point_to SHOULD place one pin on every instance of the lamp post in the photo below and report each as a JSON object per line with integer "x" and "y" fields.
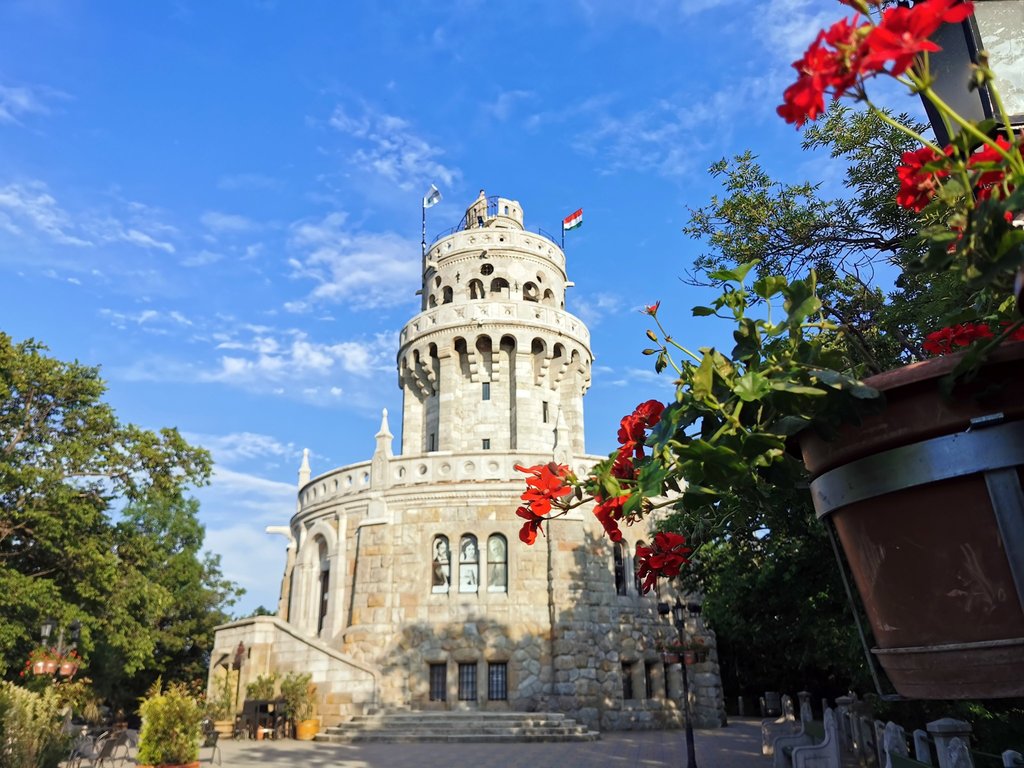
{"x": 678, "y": 614}
{"x": 996, "y": 27}
{"x": 63, "y": 664}
{"x": 49, "y": 624}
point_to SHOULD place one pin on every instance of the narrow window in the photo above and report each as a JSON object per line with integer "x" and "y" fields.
{"x": 487, "y": 444}
{"x": 469, "y": 564}
{"x": 664, "y": 672}
{"x": 497, "y": 681}
{"x": 620, "y": 568}
{"x": 544, "y": 411}
{"x": 649, "y": 679}
{"x": 441, "y": 571}
{"x": 627, "y": 680}
{"x": 486, "y": 390}
{"x": 637, "y": 581}
{"x": 497, "y": 563}
{"x": 325, "y": 584}
{"x": 433, "y": 442}
{"x": 467, "y": 682}
{"x": 439, "y": 682}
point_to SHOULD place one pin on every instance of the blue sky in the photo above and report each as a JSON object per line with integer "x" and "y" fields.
{"x": 219, "y": 203}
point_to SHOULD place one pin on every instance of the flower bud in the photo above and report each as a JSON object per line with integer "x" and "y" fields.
{"x": 652, "y": 335}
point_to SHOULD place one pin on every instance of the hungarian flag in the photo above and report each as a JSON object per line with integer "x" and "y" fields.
{"x": 572, "y": 221}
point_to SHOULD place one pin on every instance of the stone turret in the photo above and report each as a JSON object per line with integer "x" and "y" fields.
{"x": 493, "y": 357}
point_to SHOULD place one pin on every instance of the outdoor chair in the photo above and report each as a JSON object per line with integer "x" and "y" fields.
{"x": 210, "y": 741}
{"x": 98, "y": 752}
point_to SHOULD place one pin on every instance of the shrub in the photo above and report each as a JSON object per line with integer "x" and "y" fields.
{"x": 30, "y": 728}
{"x": 171, "y": 726}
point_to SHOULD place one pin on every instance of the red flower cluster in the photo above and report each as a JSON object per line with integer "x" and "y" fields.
{"x": 949, "y": 339}
{"x": 918, "y": 183}
{"x": 545, "y": 485}
{"x": 852, "y": 49}
{"x": 652, "y": 309}
{"x": 991, "y": 181}
{"x": 632, "y": 434}
{"x": 633, "y": 428}
{"x": 665, "y": 557}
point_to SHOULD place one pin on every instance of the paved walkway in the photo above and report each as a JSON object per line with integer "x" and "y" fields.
{"x": 736, "y": 746}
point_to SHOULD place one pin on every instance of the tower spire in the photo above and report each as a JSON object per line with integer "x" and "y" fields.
{"x": 304, "y": 468}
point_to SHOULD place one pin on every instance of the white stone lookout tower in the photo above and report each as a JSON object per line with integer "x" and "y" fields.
{"x": 406, "y": 585}
{"x": 493, "y": 362}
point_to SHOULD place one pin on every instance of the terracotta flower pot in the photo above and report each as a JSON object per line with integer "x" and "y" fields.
{"x": 926, "y": 499}
{"x": 39, "y": 668}
{"x": 49, "y": 667}
{"x": 68, "y": 668}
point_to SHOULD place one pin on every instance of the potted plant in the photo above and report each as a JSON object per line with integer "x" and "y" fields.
{"x": 918, "y": 468}
{"x": 172, "y": 727}
{"x": 221, "y": 705}
{"x": 299, "y": 695}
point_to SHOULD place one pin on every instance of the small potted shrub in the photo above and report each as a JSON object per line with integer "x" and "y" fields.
{"x": 171, "y": 727}
{"x": 299, "y": 696}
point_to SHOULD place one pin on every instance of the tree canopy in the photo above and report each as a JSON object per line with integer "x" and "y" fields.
{"x": 95, "y": 526}
{"x": 774, "y": 593}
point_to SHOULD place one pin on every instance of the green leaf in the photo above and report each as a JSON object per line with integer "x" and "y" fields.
{"x": 703, "y": 378}
{"x": 734, "y": 275}
{"x": 797, "y": 389}
{"x": 702, "y": 311}
{"x": 769, "y": 286}
{"x": 752, "y": 386}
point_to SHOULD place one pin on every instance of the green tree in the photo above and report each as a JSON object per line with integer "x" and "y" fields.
{"x": 774, "y": 593}
{"x": 95, "y": 526}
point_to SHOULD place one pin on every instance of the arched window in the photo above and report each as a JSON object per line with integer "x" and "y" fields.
{"x": 469, "y": 564}
{"x": 441, "y": 570}
{"x": 325, "y": 583}
{"x": 620, "y": 568}
{"x": 446, "y": 294}
{"x": 499, "y": 285}
{"x": 432, "y": 301}
{"x": 476, "y": 289}
{"x": 531, "y": 292}
{"x": 497, "y": 563}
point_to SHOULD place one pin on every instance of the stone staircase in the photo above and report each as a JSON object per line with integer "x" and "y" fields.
{"x": 458, "y": 726}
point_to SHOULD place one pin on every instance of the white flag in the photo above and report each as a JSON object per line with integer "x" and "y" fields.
{"x": 432, "y": 198}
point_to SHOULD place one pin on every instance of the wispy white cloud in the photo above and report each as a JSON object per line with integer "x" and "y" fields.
{"x": 149, "y": 319}
{"x": 502, "y": 107}
{"x": 243, "y": 446}
{"x": 227, "y": 223}
{"x": 16, "y": 101}
{"x": 264, "y": 359}
{"x": 30, "y": 205}
{"x": 392, "y": 149}
{"x": 363, "y": 270}
{"x": 592, "y": 309}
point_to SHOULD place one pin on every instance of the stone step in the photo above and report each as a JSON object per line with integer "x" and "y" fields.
{"x": 435, "y": 726}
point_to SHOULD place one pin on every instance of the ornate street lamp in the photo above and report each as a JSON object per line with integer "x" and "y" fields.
{"x": 678, "y": 617}
{"x": 997, "y": 27}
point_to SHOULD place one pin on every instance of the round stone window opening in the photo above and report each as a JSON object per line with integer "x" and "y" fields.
{"x": 487, "y": 269}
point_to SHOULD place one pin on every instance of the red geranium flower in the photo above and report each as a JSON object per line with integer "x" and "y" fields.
{"x": 666, "y": 557}
{"x": 903, "y": 32}
{"x": 918, "y": 185}
{"x": 946, "y": 340}
{"x": 608, "y": 512}
{"x": 632, "y": 428}
{"x": 990, "y": 182}
{"x": 528, "y": 533}
{"x": 652, "y": 309}
{"x": 823, "y": 70}
{"x": 546, "y": 484}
